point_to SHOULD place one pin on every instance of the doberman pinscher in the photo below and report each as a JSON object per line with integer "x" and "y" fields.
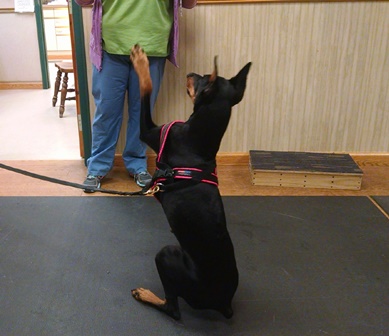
{"x": 202, "y": 269}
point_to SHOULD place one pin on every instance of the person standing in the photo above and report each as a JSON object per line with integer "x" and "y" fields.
{"x": 116, "y": 26}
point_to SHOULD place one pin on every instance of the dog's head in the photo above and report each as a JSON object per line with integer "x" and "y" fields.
{"x": 207, "y": 88}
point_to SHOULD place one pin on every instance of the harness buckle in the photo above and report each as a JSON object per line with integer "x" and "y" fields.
{"x": 153, "y": 190}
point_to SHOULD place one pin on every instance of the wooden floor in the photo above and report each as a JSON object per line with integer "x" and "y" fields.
{"x": 233, "y": 172}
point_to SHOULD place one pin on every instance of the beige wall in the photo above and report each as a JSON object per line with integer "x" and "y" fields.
{"x": 319, "y": 81}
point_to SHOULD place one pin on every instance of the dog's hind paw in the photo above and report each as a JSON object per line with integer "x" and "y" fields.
{"x": 227, "y": 312}
{"x": 147, "y": 296}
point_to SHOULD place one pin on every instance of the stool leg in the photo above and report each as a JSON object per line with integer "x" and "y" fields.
{"x": 56, "y": 86}
{"x": 64, "y": 91}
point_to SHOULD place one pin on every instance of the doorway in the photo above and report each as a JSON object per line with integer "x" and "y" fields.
{"x": 57, "y": 30}
{"x": 30, "y": 127}
{"x": 61, "y": 45}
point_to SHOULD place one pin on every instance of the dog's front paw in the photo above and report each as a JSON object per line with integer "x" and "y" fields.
{"x": 139, "y": 59}
{"x": 141, "y": 65}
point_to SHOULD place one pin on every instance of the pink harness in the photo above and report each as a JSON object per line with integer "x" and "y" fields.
{"x": 167, "y": 177}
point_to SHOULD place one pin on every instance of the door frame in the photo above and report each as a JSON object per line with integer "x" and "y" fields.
{"x": 81, "y": 78}
{"x": 40, "y": 26}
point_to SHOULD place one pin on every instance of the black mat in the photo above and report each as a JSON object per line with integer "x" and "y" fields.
{"x": 383, "y": 201}
{"x": 308, "y": 266}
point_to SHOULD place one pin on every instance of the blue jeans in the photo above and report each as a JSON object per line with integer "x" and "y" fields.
{"x": 109, "y": 87}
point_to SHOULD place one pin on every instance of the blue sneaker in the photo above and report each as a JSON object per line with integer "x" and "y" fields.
{"x": 92, "y": 182}
{"x": 142, "y": 179}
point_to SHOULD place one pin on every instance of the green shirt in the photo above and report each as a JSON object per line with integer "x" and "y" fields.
{"x": 146, "y": 22}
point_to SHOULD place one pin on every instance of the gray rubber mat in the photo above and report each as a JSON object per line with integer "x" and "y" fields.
{"x": 308, "y": 266}
{"x": 383, "y": 201}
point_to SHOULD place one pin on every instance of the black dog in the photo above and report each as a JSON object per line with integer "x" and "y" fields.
{"x": 202, "y": 270}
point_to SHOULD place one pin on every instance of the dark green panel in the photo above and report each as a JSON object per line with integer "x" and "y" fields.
{"x": 42, "y": 44}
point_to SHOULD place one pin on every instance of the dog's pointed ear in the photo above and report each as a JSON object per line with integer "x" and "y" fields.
{"x": 239, "y": 83}
{"x": 214, "y": 73}
{"x": 212, "y": 78}
{"x": 210, "y": 86}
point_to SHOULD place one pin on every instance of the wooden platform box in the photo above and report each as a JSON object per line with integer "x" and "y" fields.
{"x": 305, "y": 170}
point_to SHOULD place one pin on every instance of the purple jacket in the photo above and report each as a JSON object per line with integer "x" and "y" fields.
{"x": 96, "y": 47}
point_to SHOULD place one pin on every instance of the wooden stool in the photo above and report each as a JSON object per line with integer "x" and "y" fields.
{"x": 66, "y": 68}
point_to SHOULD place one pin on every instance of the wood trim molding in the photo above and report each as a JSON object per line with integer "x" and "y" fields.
{"x": 7, "y": 10}
{"x": 242, "y": 159}
{"x": 20, "y": 85}
{"x": 223, "y": 159}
